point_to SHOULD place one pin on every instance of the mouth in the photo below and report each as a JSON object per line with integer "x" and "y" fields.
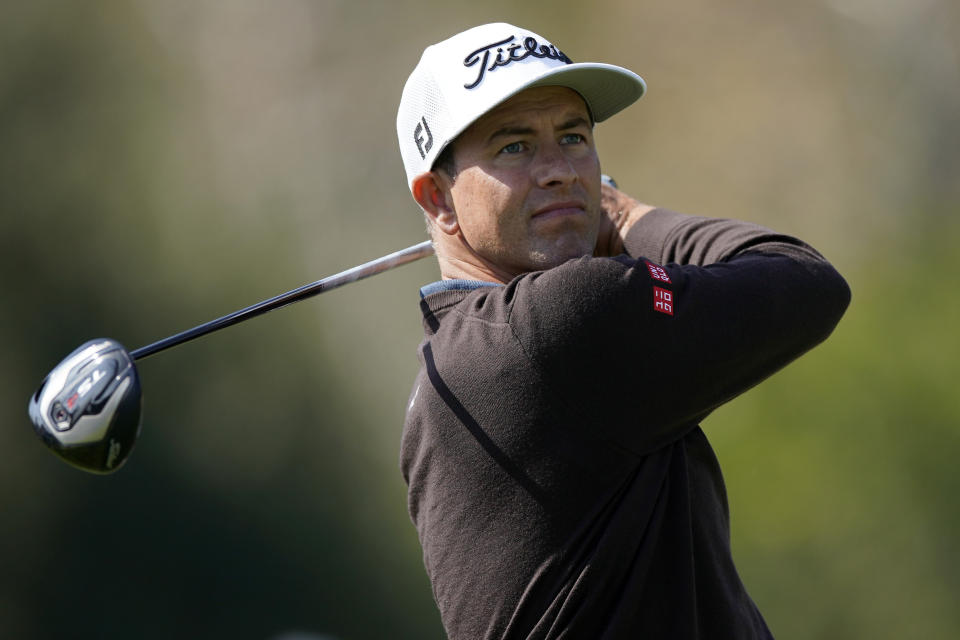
{"x": 560, "y": 209}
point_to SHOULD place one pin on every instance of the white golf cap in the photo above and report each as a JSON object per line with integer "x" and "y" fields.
{"x": 460, "y": 79}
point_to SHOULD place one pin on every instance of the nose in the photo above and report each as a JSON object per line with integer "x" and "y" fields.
{"x": 553, "y": 168}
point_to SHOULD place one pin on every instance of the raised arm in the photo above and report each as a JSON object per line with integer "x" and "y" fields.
{"x": 698, "y": 311}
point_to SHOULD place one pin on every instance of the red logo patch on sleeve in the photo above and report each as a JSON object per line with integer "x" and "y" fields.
{"x": 657, "y": 272}
{"x": 663, "y": 301}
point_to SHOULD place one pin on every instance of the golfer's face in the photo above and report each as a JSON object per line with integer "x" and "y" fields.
{"x": 527, "y": 191}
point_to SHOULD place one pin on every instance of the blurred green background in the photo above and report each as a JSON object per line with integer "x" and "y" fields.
{"x": 163, "y": 163}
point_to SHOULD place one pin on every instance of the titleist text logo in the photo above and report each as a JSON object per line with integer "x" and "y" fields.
{"x": 505, "y": 55}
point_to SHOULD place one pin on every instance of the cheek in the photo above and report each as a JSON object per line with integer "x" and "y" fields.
{"x": 589, "y": 169}
{"x": 483, "y": 203}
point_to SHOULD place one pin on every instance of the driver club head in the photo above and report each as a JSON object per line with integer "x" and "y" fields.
{"x": 87, "y": 410}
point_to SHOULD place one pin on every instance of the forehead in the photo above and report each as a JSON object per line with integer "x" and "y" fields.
{"x": 550, "y": 102}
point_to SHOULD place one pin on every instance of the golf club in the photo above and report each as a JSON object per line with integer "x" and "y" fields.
{"x": 87, "y": 409}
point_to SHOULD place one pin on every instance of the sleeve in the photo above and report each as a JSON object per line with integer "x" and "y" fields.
{"x": 668, "y": 237}
{"x": 645, "y": 347}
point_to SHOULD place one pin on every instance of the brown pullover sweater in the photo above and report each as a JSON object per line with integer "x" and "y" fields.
{"x": 558, "y": 478}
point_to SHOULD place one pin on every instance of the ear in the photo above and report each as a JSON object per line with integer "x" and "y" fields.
{"x": 431, "y": 190}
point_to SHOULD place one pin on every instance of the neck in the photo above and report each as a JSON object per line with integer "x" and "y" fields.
{"x": 455, "y": 268}
{"x": 457, "y": 260}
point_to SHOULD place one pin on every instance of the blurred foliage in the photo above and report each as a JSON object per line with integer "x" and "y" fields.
{"x": 164, "y": 163}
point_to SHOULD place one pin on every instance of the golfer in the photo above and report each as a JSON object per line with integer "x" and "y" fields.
{"x": 559, "y": 480}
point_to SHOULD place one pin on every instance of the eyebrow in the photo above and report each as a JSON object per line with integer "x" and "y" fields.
{"x": 508, "y": 131}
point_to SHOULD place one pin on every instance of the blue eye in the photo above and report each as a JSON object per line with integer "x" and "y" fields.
{"x": 572, "y": 138}
{"x": 513, "y": 147}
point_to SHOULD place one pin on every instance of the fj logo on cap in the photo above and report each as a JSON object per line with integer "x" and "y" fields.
{"x": 423, "y": 144}
{"x": 530, "y": 47}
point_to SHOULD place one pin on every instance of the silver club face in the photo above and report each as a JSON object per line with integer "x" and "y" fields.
{"x": 87, "y": 410}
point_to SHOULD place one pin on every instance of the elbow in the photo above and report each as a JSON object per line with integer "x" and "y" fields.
{"x": 841, "y": 294}
{"x": 834, "y": 299}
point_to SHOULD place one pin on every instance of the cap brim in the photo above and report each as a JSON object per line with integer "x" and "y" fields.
{"x": 606, "y": 88}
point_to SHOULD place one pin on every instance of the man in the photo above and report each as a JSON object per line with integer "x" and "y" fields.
{"x": 558, "y": 479}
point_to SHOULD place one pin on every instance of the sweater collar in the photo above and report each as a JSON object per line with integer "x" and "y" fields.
{"x": 439, "y": 297}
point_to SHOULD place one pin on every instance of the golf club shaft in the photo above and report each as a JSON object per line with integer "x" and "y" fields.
{"x": 360, "y": 272}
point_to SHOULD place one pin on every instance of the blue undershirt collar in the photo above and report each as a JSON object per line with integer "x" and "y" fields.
{"x": 454, "y": 284}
